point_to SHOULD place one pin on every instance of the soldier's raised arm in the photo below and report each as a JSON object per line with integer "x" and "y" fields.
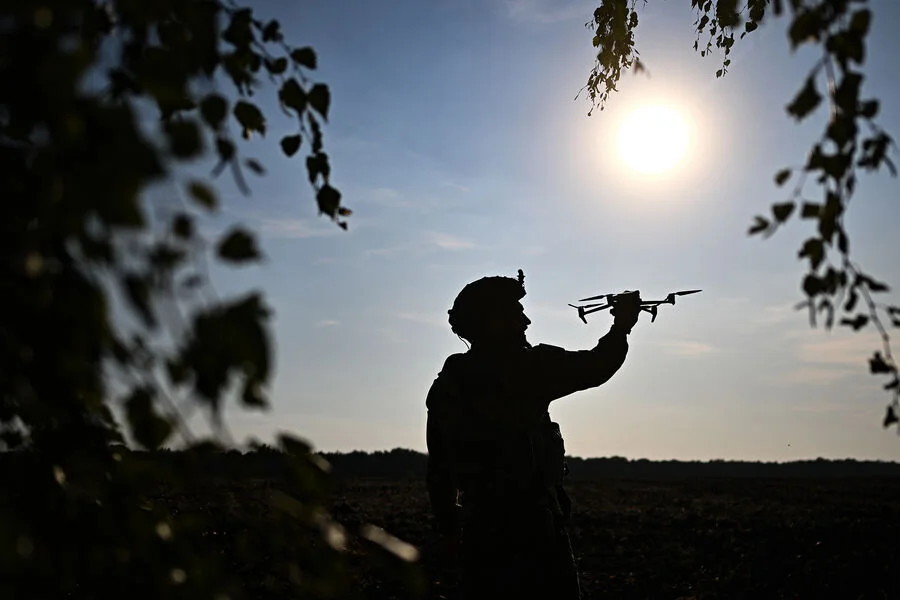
{"x": 557, "y": 372}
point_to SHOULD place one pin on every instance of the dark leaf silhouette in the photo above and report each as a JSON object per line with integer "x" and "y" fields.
{"x": 238, "y": 246}
{"x": 857, "y": 323}
{"x": 782, "y": 176}
{"x": 329, "y": 200}
{"x": 250, "y": 117}
{"x": 877, "y": 364}
{"x": 305, "y": 57}
{"x": 214, "y": 109}
{"x": 806, "y": 101}
{"x": 782, "y": 211}
{"x": 319, "y": 98}
{"x": 203, "y": 194}
{"x": 290, "y": 144}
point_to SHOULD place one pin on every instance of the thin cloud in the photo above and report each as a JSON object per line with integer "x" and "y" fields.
{"x": 294, "y": 228}
{"x": 852, "y": 350}
{"x": 327, "y": 323}
{"x": 457, "y": 186}
{"x": 775, "y": 315}
{"x": 390, "y": 250}
{"x": 687, "y": 348}
{"x": 429, "y": 241}
{"x": 324, "y": 260}
{"x": 389, "y": 198}
{"x": 446, "y": 241}
{"x": 423, "y": 319}
{"x": 826, "y": 408}
{"x": 812, "y": 375}
{"x": 546, "y": 11}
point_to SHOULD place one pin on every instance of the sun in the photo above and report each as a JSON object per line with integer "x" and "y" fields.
{"x": 653, "y": 139}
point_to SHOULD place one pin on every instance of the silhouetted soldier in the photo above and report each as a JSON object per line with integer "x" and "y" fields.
{"x": 495, "y": 459}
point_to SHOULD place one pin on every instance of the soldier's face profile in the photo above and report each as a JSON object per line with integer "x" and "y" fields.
{"x": 508, "y": 324}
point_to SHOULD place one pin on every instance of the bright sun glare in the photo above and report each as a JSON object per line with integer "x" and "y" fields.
{"x": 652, "y": 139}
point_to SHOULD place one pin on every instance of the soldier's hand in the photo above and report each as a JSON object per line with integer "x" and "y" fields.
{"x": 626, "y": 310}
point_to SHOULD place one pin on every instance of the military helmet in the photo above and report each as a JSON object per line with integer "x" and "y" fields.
{"x": 481, "y": 298}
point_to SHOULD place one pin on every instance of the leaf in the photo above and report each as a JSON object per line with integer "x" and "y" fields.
{"x": 877, "y": 286}
{"x": 255, "y": 166}
{"x": 272, "y": 31}
{"x": 874, "y": 286}
{"x": 813, "y": 285}
{"x": 843, "y": 241}
{"x": 329, "y": 200}
{"x": 759, "y": 224}
{"x": 316, "y": 165}
{"x": 277, "y": 66}
{"x": 860, "y": 21}
{"x": 394, "y": 546}
{"x": 813, "y": 249}
{"x": 293, "y": 96}
{"x": 893, "y": 384}
{"x": 851, "y": 300}
{"x": 782, "y": 211}
{"x": 807, "y": 26}
{"x": 877, "y": 364}
{"x": 846, "y": 96}
{"x": 320, "y": 99}
{"x": 891, "y": 417}
{"x": 842, "y": 129}
{"x": 858, "y": 323}
{"x": 252, "y": 395}
{"x": 184, "y": 138}
{"x": 810, "y": 210}
{"x": 202, "y": 194}
{"x": 868, "y": 109}
{"x": 183, "y": 226}
{"x": 305, "y": 57}
{"x": 290, "y": 144}
{"x": 226, "y": 338}
{"x": 806, "y": 100}
{"x": 137, "y": 290}
{"x": 177, "y": 370}
{"x": 238, "y": 246}
{"x": 782, "y": 176}
{"x": 213, "y": 109}
{"x": 148, "y": 428}
{"x": 191, "y": 282}
{"x": 250, "y": 117}
{"x": 293, "y": 445}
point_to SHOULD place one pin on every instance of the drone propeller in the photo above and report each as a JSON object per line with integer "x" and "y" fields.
{"x": 600, "y": 297}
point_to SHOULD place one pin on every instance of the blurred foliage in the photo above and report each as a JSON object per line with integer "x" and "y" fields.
{"x": 111, "y": 330}
{"x": 852, "y": 143}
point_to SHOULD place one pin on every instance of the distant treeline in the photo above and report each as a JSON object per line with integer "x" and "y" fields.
{"x": 408, "y": 464}
{"x": 266, "y": 462}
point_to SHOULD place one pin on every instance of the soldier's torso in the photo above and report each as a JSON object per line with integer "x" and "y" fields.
{"x": 507, "y": 447}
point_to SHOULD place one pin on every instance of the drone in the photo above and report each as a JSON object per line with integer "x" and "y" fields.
{"x": 611, "y": 300}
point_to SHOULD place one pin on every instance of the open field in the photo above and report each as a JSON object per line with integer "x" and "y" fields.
{"x": 688, "y": 538}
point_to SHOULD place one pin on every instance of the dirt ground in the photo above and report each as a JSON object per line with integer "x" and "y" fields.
{"x": 667, "y": 540}
{"x": 699, "y": 539}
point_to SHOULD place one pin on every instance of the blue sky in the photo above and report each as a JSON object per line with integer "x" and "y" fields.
{"x": 455, "y": 139}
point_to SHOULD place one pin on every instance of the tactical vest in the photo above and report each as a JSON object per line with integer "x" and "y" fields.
{"x": 503, "y": 448}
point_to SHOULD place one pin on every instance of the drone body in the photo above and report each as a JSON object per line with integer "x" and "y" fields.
{"x": 611, "y": 300}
